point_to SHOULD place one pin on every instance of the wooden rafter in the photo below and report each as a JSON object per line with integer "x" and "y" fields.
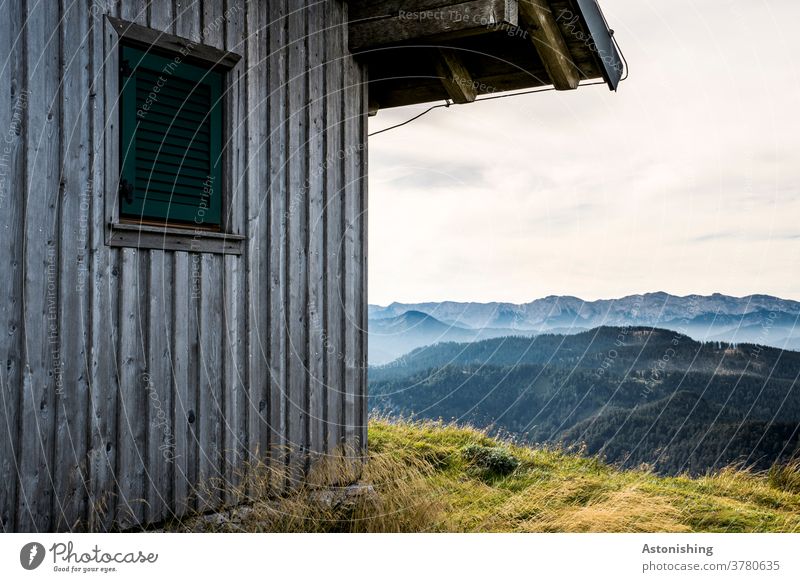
{"x": 537, "y": 17}
{"x": 455, "y": 77}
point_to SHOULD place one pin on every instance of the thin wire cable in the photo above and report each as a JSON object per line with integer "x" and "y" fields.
{"x": 622, "y": 56}
{"x": 429, "y": 109}
{"x": 407, "y": 121}
{"x": 517, "y": 94}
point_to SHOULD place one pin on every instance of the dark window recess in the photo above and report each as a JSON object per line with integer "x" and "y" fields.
{"x": 171, "y": 150}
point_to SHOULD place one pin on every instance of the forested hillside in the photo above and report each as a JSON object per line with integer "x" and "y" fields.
{"x": 633, "y": 395}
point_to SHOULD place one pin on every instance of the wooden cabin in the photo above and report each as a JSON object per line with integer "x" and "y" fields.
{"x": 183, "y": 195}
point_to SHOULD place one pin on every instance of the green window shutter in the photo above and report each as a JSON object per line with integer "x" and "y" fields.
{"x": 171, "y": 140}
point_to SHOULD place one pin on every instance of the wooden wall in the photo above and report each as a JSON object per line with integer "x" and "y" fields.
{"x": 130, "y": 375}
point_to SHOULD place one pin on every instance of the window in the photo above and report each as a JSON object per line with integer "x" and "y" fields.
{"x": 171, "y": 139}
{"x": 174, "y": 103}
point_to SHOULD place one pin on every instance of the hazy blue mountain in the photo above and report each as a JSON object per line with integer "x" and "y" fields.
{"x": 759, "y": 319}
{"x": 391, "y": 337}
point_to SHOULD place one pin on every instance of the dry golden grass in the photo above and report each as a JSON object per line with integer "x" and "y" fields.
{"x": 629, "y": 510}
{"x": 419, "y": 477}
{"x": 341, "y": 493}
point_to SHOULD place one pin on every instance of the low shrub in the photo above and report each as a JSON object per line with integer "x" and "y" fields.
{"x": 496, "y": 461}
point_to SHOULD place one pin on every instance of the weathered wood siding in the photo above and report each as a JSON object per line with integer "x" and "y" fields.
{"x": 132, "y": 377}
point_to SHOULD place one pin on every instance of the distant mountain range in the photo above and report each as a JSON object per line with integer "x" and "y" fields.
{"x": 391, "y": 337}
{"x": 763, "y": 319}
{"x": 633, "y": 395}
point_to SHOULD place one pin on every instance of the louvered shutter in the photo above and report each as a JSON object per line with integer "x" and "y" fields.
{"x": 171, "y": 150}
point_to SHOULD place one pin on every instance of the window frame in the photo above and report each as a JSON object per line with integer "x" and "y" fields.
{"x": 122, "y": 231}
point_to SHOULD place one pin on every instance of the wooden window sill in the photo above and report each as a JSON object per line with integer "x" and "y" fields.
{"x": 171, "y": 238}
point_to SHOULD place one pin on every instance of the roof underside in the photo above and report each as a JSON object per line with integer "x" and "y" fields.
{"x": 430, "y": 50}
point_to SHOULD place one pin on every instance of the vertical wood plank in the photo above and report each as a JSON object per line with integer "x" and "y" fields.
{"x": 132, "y": 422}
{"x": 188, "y": 19}
{"x": 40, "y": 296}
{"x": 234, "y": 366}
{"x": 277, "y": 193}
{"x": 188, "y": 23}
{"x": 234, "y": 403}
{"x": 72, "y": 424}
{"x": 182, "y": 391}
{"x": 297, "y": 217}
{"x": 134, "y": 11}
{"x": 104, "y": 348}
{"x": 161, "y": 17}
{"x": 194, "y": 374}
{"x": 258, "y": 223}
{"x": 162, "y": 429}
{"x": 213, "y": 26}
{"x": 334, "y": 258}
{"x": 13, "y": 111}
{"x": 210, "y": 414}
{"x": 213, "y": 394}
{"x": 132, "y": 419}
{"x": 352, "y": 271}
{"x": 238, "y": 113}
{"x": 316, "y": 225}
{"x": 158, "y": 387}
{"x": 363, "y": 351}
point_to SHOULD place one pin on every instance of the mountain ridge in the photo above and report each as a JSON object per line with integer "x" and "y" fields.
{"x": 757, "y": 318}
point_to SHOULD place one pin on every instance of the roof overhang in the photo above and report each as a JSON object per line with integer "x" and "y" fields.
{"x": 418, "y": 51}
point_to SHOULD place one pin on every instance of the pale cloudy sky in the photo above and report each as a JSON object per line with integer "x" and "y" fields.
{"x": 687, "y": 180}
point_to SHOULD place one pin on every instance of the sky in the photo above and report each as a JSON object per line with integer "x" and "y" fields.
{"x": 687, "y": 180}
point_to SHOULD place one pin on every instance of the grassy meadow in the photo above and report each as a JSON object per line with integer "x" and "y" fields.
{"x": 435, "y": 477}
